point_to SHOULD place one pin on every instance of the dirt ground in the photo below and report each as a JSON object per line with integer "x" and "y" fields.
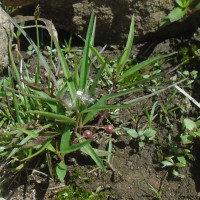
{"x": 134, "y": 174}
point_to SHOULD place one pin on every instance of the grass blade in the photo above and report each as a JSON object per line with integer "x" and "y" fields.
{"x": 101, "y": 59}
{"x": 66, "y": 71}
{"x": 105, "y": 107}
{"x": 28, "y": 132}
{"x": 139, "y": 66}
{"x": 58, "y": 117}
{"x": 44, "y": 146}
{"x": 49, "y": 99}
{"x": 110, "y": 146}
{"x": 42, "y": 59}
{"x": 74, "y": 147}
{"x": 86, "y": 54}
{"x": 101, "y": 102}
{"x": 16, "y": 103}
{"x": 124, "y": 58}
{"x": 96, "y": 80}
{"x": 87, "y": 149}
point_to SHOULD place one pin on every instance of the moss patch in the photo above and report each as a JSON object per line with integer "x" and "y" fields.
{"x": 77, "y": 193}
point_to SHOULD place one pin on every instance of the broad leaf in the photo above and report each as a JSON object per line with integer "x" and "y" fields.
{"x": 190, "y": 125}
{"x": 61, "y": 170}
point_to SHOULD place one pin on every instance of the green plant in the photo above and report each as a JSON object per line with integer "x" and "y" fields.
{"x": 48, "y": 114}
{"x": 40, "y": 115}
{"x": 184, "y": 7}
{"x": 175, "y": 163}
{"x": 167, "y": 111}
{"x": 77, "y": 193}
{"x": 151, "y": 116}
{"x": 142, "y": 136}
{"x": 157, "y": 193}
{"x": 192, "y": 131}
{"x": 181, "y": 151}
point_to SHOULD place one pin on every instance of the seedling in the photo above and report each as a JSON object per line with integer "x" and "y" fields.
{"x": 175, "y": 163}
{"x": 181, "y": 151}
{"x": 184, "y": 8}
{"x": 142, "y": 136}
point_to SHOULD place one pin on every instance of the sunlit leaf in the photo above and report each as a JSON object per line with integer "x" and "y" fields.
{"x": 166, "y": 163}
{"x": 190, "y": 125}
{"x": 61, "y": 170}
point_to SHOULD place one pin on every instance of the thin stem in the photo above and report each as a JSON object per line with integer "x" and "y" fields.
{"x": 37, "y": 74}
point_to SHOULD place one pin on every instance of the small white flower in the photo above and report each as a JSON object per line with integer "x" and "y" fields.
{"x": 79, "y": 93}
{"x": 2, "y": 149}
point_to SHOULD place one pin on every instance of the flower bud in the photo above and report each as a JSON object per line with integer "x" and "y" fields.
{"x": 108, "y": 129}
{"x": 87, "y": 134}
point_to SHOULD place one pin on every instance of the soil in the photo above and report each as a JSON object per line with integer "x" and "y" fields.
{"x": 134, "y": 173}
{"x": 132, "y": 176}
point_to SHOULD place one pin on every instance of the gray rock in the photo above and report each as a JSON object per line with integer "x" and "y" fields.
{"x": 4, "y": 27}
{"x": 113, "y": 16}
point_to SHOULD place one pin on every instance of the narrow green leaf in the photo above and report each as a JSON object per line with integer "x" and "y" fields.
{"x": 124, "y": 58}
{"x": 74, "y": 147}
{"x": 49, "y": 99}
{"x": 44, "y": 146}
{"x": 52, "y": 103}
{"x": 87, "y": 149}
{"x": 101, "y": 102}
{"x": 152, "y": 94}
{"x": 96, "y": 80}
{"x": 51, "y": 148}
{"x": 180, "y": 2}
{"x": 43, "y": 60}
{"x": 110, "y": 146}
{"x": 86, "y": 54}
{"x": 25, "y": 140}
{"x": 152, "y": 112}
{"x": 54, "y": 116}
{"x": 15, "y": 101}
{"x": 105, "y": 107}
{"x": 66, "y": 71}
{"x": 12, "y": 153}
{"x": 65, "y": 141}
{"x": 135, "y": 68}
{"x": 17, "y": 75}
{"x": 28, "y": 132}
{"x": 102, "y": 153}
{"x": 17, "y": 169}
{"x": 101, "y": 60}
{"x": 62, "y": 90}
